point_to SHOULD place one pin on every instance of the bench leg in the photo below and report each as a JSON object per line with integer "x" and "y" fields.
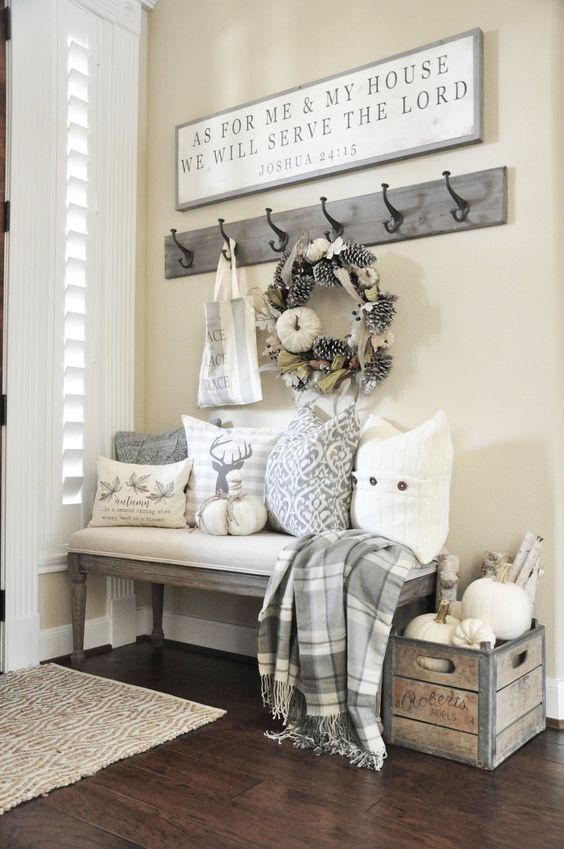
{"x": 78, "y": 590}
{"x": 157, "y": 635}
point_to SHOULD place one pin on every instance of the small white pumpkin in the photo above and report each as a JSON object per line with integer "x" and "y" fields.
{"x": 236, "y": 513}
{"x": 316, "y": 250}
{"x": 506, "y": 607}
{"x": 434, "y": 628}
{"x": 297, "y": 328}
{"x": 471, "y": 633}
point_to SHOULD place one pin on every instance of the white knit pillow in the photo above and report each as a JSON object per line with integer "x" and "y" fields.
{"x": 403, "y": 483}
{"x": 140, "y": 495}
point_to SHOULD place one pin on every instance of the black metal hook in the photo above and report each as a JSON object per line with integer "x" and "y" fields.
{"x": 462, "y": 206}
{"x": 188, "y": 259}
{"x": 394, "y": 223}
{"x": 226, "y": 239}
{"x": 338, "y": 229}
{"x": 280, "y": 233}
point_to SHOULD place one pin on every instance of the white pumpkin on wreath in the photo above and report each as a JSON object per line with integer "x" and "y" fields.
{"x": 298, "y": 328}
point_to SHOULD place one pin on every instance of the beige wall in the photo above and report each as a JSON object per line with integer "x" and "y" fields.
{"x": 480, "y": 314}
{"x": 55, "y": 599}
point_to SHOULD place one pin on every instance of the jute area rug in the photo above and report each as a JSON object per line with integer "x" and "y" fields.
{"x": 58, "y": 725}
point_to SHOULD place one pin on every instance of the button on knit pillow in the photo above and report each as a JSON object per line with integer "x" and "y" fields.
{"x": 403, "y": 484}
{"x": 308, "y": 474}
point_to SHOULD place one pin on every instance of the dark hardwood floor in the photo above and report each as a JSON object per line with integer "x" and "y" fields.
{"x": 226, "y": 786}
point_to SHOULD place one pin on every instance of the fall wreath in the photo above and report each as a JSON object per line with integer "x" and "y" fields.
{"x": 305, "y": 357}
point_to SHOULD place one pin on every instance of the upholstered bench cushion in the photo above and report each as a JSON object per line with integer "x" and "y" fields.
{"x": 183, "y": 547}
{"x": 254, "y": 554}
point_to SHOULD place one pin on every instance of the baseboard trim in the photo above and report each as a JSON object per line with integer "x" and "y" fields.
{"x": 245, "y": 659}
{"x": 207, "y": 633}
{"x": 65, "y": 658}
{"x": 555, "y": 701}
{"x": 21, "y": 644}
{"x": 57, "y": 642}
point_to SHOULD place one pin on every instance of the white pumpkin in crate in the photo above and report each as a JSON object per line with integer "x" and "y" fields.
{"x": 434, "y": 628}
{"x": 471, "y": 633}
{"x": 505, "y": 607}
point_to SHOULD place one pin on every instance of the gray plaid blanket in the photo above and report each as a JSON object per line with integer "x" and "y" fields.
{"x": 323, "y": 631}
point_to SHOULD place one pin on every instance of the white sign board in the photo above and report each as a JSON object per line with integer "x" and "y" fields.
{"x": 423, "y": 100}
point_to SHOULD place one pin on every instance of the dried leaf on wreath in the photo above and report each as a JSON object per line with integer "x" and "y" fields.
{"x": 372, "y": 293}
{"x": 338, "y": 363}
{"x": 293, "y": 363}
{"x": 275, "y": 296}
{"x": 330, "y": 381}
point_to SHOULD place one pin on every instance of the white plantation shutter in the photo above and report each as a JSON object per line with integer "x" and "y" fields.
{"x": 71, "y": 271}
{"x": 74, "y": 381}
{"x": 75, "y": 274}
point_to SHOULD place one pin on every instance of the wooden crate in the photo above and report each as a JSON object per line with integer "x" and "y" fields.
{"x": 482, "y": 710}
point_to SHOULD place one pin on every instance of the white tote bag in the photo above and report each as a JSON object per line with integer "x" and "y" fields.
{"x": 229, "y": 373}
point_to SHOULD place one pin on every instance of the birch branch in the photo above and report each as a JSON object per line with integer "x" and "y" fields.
{"x": 493, "y": 562}
{"x": 448, "y": 570}
{"x": 531, "y": 585}
{"x": 521, "y": 556}
{"x": 531, "y": 562}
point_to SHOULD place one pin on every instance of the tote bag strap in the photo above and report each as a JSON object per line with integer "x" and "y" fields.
{"x": 226, "y": 288}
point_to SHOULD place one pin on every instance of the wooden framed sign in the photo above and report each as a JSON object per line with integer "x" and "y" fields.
{"x": 412, "y": 103}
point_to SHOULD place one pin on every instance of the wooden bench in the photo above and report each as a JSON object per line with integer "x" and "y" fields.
{"x": 189, "y": 558}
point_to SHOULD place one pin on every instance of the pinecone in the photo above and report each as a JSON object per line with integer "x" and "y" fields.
{"x": 277, "y": 279}
{"x": 329, "y": 347}
{"x": 379, "y": 318}
{"x": 377, "y": 370}
{"x": 354, "y": 254}
{"x": 323, "y": 273}
{"x": 301, "y": 289}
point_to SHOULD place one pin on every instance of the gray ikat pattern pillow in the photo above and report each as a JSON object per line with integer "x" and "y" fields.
{"x": 308, "y": 474}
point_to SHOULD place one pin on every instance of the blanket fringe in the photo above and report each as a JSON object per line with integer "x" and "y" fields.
{"x": 334, "y": 735}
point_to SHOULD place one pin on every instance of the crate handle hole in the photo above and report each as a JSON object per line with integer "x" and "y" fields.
{"x": 436, "y": 664}
{"x": 519, "y": 659}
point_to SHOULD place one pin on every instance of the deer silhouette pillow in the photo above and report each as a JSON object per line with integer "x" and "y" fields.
{"x": 216, "y": 451}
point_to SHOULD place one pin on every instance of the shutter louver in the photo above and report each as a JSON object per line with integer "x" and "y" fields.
{"x": 76, "y": 273}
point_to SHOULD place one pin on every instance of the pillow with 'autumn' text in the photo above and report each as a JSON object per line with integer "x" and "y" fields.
{"x": 140, "y": 495}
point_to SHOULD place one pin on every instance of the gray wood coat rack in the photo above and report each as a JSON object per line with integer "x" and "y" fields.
{"x": 427, "y": 209}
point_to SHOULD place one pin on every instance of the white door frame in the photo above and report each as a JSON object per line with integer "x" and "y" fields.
{"x": 31, "y": 264}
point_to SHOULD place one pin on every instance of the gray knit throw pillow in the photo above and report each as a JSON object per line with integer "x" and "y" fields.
{"x": 154, "y": 449}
